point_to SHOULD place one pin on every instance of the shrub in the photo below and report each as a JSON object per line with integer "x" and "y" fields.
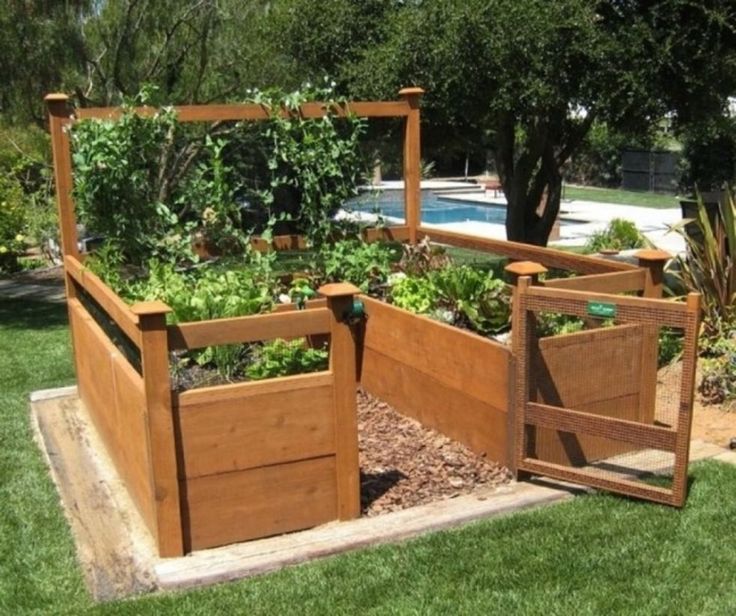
{"x": 718, "y": 383}
{"x": 620, "y": 234}
{"x": 12, "y": 222}
{"x": 282, "y": 358}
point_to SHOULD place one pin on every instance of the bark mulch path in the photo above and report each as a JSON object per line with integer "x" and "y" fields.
{"x": 403, "y": 464}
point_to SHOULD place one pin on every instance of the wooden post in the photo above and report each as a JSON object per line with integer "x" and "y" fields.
{"x": 164, "y": 472}
{"x": 653, "y": 261}
{"x": 59, "y": 119}
{"x": 342, "y": 365}
{"x": 687, "y": 392}
{"x": 516, "y": 271}
{"x": 412, "y": 163}
{"x": 523, "y": 274}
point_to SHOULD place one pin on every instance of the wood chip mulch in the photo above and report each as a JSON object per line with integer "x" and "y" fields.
{"x": 403, "y": 464}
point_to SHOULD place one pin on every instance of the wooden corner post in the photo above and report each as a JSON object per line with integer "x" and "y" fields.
{"x": 687, "y": 393}
{"x": 60, "y": 115}
{"x": 412, "y": 162}
{"x": 340, "y": 298}
{"x": 161, "y": 438}
{"x": 653, "y": 261}
{"x": 523, "y": 274}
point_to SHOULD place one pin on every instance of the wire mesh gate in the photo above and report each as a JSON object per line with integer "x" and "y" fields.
{"x": 593, "y": 406}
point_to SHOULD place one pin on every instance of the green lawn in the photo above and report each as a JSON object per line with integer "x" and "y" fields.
{"x": 624, "y": 197}
{"x": 593, "y": 555}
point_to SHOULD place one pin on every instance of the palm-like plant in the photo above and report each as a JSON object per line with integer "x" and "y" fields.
{"x": 708, "y": 267}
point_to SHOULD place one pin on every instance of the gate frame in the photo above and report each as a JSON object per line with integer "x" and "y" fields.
{"x": 663, "y": 313}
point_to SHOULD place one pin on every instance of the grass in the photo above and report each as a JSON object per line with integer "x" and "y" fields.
{"x": 624, "y": 197}
{"x": 596, "y": 554}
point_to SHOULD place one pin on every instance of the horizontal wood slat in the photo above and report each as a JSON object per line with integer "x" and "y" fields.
{"x": 258, "y": 429}
{"x": 115, "y": 307}
{"x": 245, "y": 111}
{"x": 567, "y": 420}
{"x": 249, "y": 329}
{"x": 664, "y": 312}
{"x": 221, "y": 509}
{"x": 308, "y": 305}
{"x": 399, "y": 233}
{"x": 242, "y": 391}
{"x": 525, "y": 252}
{"x": 612, "y": 282}
{"x": 585, "y": 477}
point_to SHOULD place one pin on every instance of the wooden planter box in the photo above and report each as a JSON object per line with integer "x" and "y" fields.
{"x": 228, "y": 463}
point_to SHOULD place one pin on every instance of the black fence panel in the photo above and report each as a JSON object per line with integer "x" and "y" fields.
{"x": 650, "y": 170}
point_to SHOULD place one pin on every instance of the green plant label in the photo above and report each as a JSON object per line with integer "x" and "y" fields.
{"x": 601, "y": 309}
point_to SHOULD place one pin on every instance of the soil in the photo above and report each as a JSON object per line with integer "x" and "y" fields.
{"x": 711, "y": 423}
{"x": 403, "y": 464}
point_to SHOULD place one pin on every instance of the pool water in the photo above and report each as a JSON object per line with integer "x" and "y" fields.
{"x": 435, "y": 210}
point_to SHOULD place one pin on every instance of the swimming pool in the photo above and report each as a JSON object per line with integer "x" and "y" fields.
{"x": 435, "y": 210}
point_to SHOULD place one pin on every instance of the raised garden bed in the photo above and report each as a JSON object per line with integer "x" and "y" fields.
{"x": 227, "y": 463}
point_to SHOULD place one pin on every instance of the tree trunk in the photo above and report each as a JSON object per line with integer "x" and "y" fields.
{"x": 530, "y": 171}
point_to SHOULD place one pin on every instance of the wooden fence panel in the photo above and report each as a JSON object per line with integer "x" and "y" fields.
{"x": 447, "y": 379}
{"x": 113, "y": 394}
{"x": 255, "y": 424}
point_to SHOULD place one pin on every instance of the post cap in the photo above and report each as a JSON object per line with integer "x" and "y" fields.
{"x": 525, "y": 268}
{"x": 653, "y": 254}
{"x": 412, "y": 91}
{"x": 142, "y": 309}
{"x": 338, "y": 289}
{"x": 56, "y": 97}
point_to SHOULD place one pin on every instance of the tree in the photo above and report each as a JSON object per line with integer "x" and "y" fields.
{"x": 530, "y": 77}
{"x": 193, "y": 51}
{"x": 40, "y": 52}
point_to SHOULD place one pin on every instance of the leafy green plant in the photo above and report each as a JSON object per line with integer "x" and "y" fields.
{"x": 315, "y": 164}
{"x": 476, "y": 299}
{"x": 620, "y": 234}
{"x": 557, "y": 324}
{"x": 211, "y": 194}
{"x": 12, "y": 222}
{"x": 119, "y": 166}
{"x": 284, "y": 358}
{"x": 669, "y": 346}
{"x": 708, "y": 266}
{"x": 106, "y": 262}
{"x": 207, "y": 293}
{"x": 364, "y": 265}
{"x": 414, "y": 293}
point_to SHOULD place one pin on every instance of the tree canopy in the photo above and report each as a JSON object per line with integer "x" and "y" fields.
{"x": 524, "y": 79}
